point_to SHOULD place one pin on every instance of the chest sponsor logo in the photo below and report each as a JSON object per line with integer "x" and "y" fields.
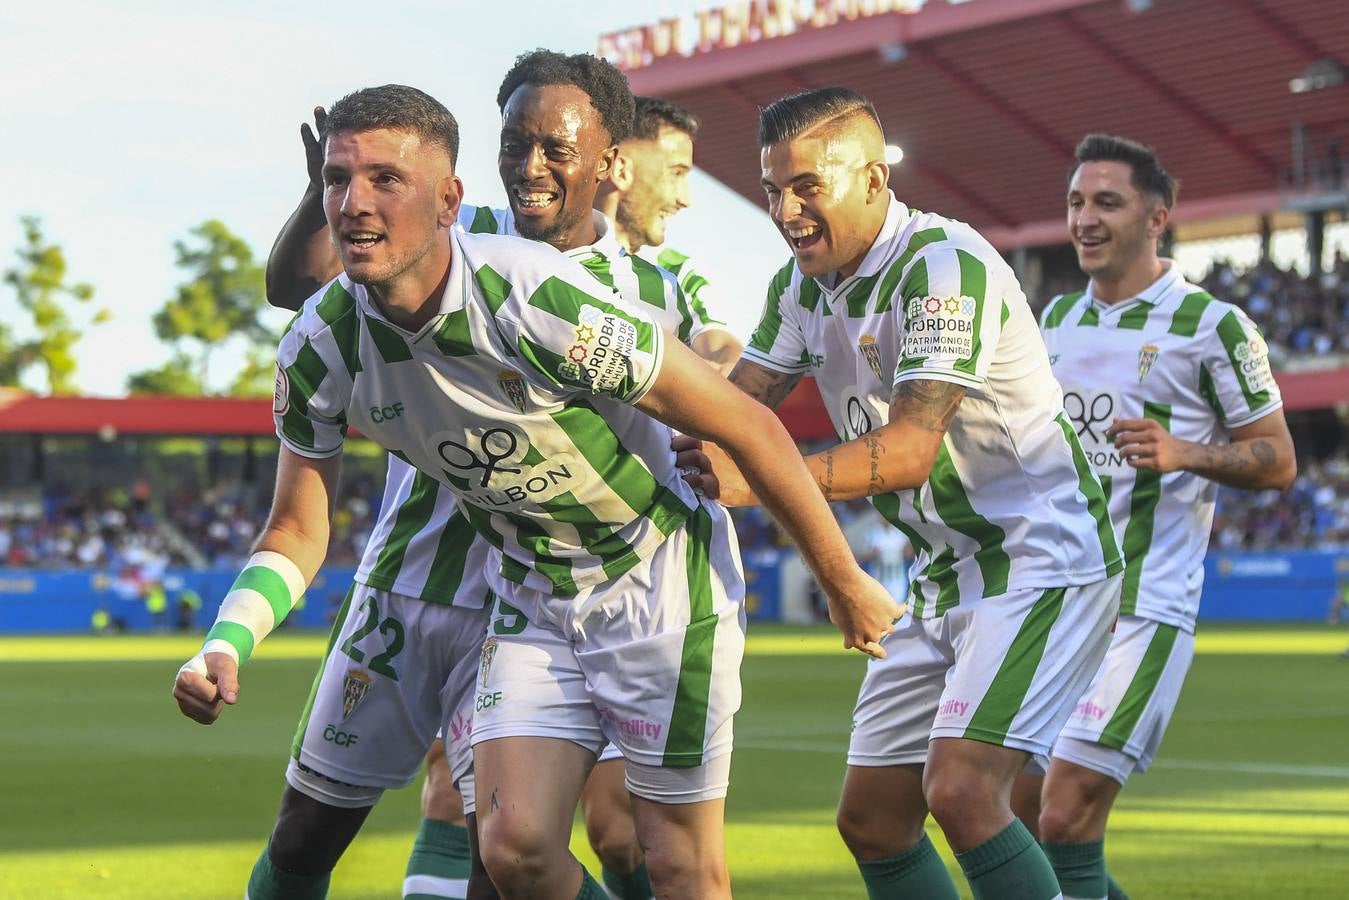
{"x": 355, "y": 686}
{"x": 513, "y": 386}
{"x": 1147, "y": 358}
{"x": 939, "y": 327}
{"x": 1252, "y": 358}
{"x": 600, "y": 358}
{"x": 281, "y": 392}
{"x": 866, "y": 345}
{"x": 489, "y": 469}
{"x": 1091, "y": 415}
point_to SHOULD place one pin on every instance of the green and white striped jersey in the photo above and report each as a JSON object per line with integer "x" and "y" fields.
{"x": 516, "y": 395}
{"x": 692, "y": 282}
{"x": 1196, "y": 365}
{"x": 1011, "y": 502}
{"x": 420, "y": 545}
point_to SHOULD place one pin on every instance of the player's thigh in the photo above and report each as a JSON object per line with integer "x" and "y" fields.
{"x": 527, "y": 791}
{"x": 605, "y": 795}
{"x": 377, "y": 701}
{"x": 1116, "y": 728}
{"x": 682, "y": 839}
{"x": 881, "y": 810}
{"x": 1021, "y": 661}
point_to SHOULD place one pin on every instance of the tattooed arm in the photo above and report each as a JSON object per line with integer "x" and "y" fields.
{"x": 766, "y": 385}
{"x": 1260, "y": 455}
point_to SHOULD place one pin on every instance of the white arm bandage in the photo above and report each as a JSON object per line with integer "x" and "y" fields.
{"x": 261, "y": 597}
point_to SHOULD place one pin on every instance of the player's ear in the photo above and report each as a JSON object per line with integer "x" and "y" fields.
{"x": 449, "y": 194}
{"x": 1158, "y": 218}
{"x": 620, "y": 175}
{"x": 878, "y": 180}
{"x": 605, "y": 164}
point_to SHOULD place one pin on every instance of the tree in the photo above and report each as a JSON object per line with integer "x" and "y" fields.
{"x": 176, "y": 377}
{"x": 40, "y": 286}
{"x": 222, "y": 299}
{"x": 258, "y": 376}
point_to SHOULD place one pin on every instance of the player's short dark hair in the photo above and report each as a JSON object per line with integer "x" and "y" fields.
{"x": 603, "y": 82}
{"x": 784, "y": 119}
{"x": 653, "y": 114}
{"x": 400, "y": 108}
{"x": 1148, "y": 175}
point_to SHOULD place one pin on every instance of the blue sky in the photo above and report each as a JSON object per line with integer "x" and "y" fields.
{"x": 127, "y": 124}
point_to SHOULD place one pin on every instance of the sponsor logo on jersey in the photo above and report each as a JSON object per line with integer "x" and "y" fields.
{"x": 858, "y": 417}
{"x": 1091, "y": 415}
{"x": 281, "y": 394}
{"x": 1089, "y": 710}
{"x": 940, "y": 326}
{"x": 386, "y": 413}
{"x": 871, "y": 353}
{"x": 514, "y": 387}
{"x": 601, "y": 356}
{"x": 1147, "y": 358}
{"x": 489, "y": 652}
{"x": 633, "y": 728}
{"x": 953, "y": 708}
{"x": 354, "y": 688}
{"x": 489, "y": 469}
{"x": 1252, "y": 358}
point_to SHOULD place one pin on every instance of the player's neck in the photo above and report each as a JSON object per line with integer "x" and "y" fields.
{"x": 849, "y": 269}
{"x": 1131, "y": 283}
{"x": 608, "y": 204}
{"x": 414, "y": 299}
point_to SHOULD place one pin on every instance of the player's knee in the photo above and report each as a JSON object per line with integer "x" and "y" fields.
{"x": 310, "y": 836}
{"x": 955, "y": 801}
{"x": 615, "y": 843}
{"x": 517, "y": 853}
{"x": 1071, "y": 805}
{"x": 872, "y": 833}
{"x": 686, "y": 869}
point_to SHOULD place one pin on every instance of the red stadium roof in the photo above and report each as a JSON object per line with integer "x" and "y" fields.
{"x": 988, "y": 98}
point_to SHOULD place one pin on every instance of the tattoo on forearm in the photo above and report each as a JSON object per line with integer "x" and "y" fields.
{"x": 1226, "y": 458}
{"x": 931, "y": 405}
{"x": 763, "y": 384}
{"x": 827, "y": 486}
{"x": 1264, "y": 453}
{"x": 876, "y": 483}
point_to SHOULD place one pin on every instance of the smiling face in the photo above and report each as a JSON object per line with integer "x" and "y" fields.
{"x": 827, "y": 195}
{"x": 388, "y": 197}
{"x": 1113, "y": 226}
{"x": 555, "y": 152}
{"x": 660, "y": 184}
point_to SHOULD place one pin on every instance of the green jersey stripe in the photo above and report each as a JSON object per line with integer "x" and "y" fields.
{"x": 1233, "y": 336}
{"x": 888, "y": 506}
{"x": 1185, "y": 322}
{"x": 391, "y": 347}
{"x": 856, "y": 300}
{"x": 597, "y": 264}
{"x": 447, "y": 568}
{"x": 495, "y": 289}
{"x": 1007, "y": 692}
{"x": 973, "y": 283}
{"x": 688, "y": 717}
{"x": 1091, "y": 317}
{"x": 1135, "y": 319}
{"x": 953, "y": 505}
{"x": 1136, "y": 696}
{"x": 532, "y": 536}
{"x": 270, "y": 585}
{"x": 1097, "y": 505}
{"x": 1059, "y": 309}
{"x": 412, "y": 517}
{"x": 890, "y": 281}
{"x": 766, "y": 334}
{"x": 941, "y": 572}
{"x": 616, "y": 555}
{"x": 650, "y": 282}
{"x": 919, "y": 240}
{"x": 915, "y": 287}
{"x": 484, "y": 221}
{"x": 338, "y": 310}
{"x": 1209, "y": 391}
{"x": 303, "y": 377}
{"x": 454, "y": 337}
{"x": 338, "y": 622}
{"x": 1142, "y": 514}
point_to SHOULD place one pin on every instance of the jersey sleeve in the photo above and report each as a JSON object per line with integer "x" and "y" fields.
{"x": 581, "y": 343}
{"x": 777, "y": 343}
{"x": 1235, "y": 376}
{"x": 952, "y": 318}
{"x": 308, "y": 404}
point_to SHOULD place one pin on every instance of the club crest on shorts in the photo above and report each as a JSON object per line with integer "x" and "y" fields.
{"x": 354, "y": 688}
{"x": 1147, "y": 356}
{"x": 489, "y": 652}
{"x": 514, "y": 387}
{"x": 867, "y": 345}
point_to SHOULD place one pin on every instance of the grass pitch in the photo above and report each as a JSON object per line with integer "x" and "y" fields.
{"x": 107, "y": 792}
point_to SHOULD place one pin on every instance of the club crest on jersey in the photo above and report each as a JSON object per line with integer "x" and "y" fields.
{"x": 489, "y": 652}
{"x": 354, "y": 688}
{"x": 1147, "y": 357}
{"x": 514, "y": 387}
{"x": 871, "y": 353}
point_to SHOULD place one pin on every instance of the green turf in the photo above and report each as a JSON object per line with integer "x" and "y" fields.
{"x": 107, "y": 792}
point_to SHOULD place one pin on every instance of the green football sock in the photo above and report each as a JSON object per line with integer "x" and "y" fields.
{"x": 1080, "y": 868}
{"x": 1009, "y": 866}
{"x": 270, "y": 883}
{"x": 916, "y": 872}
{"x": 439, "y": 865}
{"x": 636, "y": 886}
{"x": 1114, "y": 891}
{"x": 590, "y": 888}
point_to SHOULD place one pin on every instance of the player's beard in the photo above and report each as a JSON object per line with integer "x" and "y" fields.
{"x": 640, "y": 226}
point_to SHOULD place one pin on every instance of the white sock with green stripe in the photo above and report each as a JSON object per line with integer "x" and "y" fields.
{"x": 259, "y": 600}
{"x": 439, "y": 865}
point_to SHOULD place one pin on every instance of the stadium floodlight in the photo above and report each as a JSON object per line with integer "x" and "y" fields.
{"x": 893, "y": 52}
{"x": 1138, "y": 6}
{"x": 893, "y": 154}
{"x": 1323, "y": 73}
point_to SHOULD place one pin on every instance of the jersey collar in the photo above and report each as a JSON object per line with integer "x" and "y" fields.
{"x": 451, "y": 298}
{"x": 1153, "y": 295}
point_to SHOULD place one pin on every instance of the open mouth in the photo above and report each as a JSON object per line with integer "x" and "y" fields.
{"x": 805, "y": 237}
{"x": 1091, "y": 242}
{"x": 533, "y": 200}
{"x": 362, "y": 240}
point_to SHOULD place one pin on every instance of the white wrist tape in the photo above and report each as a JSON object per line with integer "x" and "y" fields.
{"x": 261, "y": 597}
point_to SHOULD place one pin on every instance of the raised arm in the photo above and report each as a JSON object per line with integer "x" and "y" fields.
{"x": 302, "y": 258}
{"x": 689, "y": 396}
{"x": 285, "y": 559}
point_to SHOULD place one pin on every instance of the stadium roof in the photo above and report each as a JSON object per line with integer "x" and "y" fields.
{"x": 987, "y": 98}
